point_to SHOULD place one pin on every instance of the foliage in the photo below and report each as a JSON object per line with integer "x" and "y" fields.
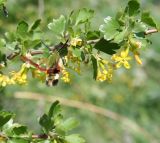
{"x": 54, "y": 128}
{"x": 120, "y": 38}
{"x": 114, "y": 44}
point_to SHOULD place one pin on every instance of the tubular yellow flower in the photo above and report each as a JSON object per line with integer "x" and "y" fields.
{"x": 137, "y": 58}
{"x": 101, "y": 77}
{"x": 122, "y": 59}
{"x": 4, "y": 80}
{"x": 21, "y": 76}
{"x": 105, "y": 71}
{"x": 65, "y": 76}
{"x": 135, "y": 44}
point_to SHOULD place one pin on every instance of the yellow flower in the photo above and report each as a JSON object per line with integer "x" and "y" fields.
{"x": 122, "y": 59}
{"x": 137, "y": 58}
{"x": 4, "y": 80}
{"x": 21, "y": 76}
{"x": 76, "y": 42}
{"x": 65, "y": 76}
{"x": 105, "y": 71}
{"x": 135, "y": 44}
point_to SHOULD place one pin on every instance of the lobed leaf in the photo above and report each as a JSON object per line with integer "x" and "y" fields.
{"x": 53, "y": 109}
{"x": 84, "y": 15}
{"x": 69, "y": 124}
{"x": 74, "y": 138}
{"x": 107, "y": 47}
{"x": 22, "y": 29}
{"x": 35, "y": 25}
{"x": 146, "y": 18}
{"x": 139, "y": 27}
{"x": 5, "y": 117}
{"x": 91, "y": 35}
{"x": 58, "y": 26}
{"x": 133, "y": 7}
{"x": 19, "y": 129}
{"x": 46, "y": 123}
{"x": 110, "y": 28}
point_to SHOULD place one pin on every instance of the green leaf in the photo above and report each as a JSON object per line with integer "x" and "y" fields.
{"x": 91, "y": 35}
{"x": 2, "y": 43}
{"x": 58, "y": 26}
{"x": 53, "y": 108}
{"x": 32, "y": 43}
{"x": 2, "y": 58}
{"x": 120, "y": 37}
{"x": 76, "y": 52}
{"x": 14, "y": 140}
{"x": 139, "y": 27}
{"x": 2, "y": 2}
{"x": 69, "y": 124}
{"x": 133, "y": 7}
{"x": 19, "y": 129}
{"x": 35, "y": 25}
{"x": 120, "y": 17}
{"x": 110, "y": 28}
{"x": 22, "y": 29}
{"x": 95, "y": 67}
{"x": 146, "y": 18}
{"x": 46, "y": 123}
{"x": 74, "y": 138}
{"x": 106, "y": 46}
{"x": 83, "y": 56}
{"x": 58, "y": 119}
{"x": 11, "y": 46}
{"x": 5, "y": 117}
{"x": 84, "y": 15}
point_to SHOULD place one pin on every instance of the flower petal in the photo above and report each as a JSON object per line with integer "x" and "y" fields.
{"x": 119, "y": 64}
{"x": 127, "y": 65}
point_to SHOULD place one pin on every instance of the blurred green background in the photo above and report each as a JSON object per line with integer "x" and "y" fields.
{"x": 134, "y": 94}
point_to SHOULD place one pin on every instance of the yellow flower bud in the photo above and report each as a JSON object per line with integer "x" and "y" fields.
{"x": 76, "y": 42}
{"x": 135, "y": 44}
{"x": 137, "y": 58}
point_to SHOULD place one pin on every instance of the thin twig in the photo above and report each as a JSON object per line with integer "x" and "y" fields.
{"x": 40, "y": 136}
{"x": 125, "y": 122}
{"x": 12, "y": 55}
{"x": 93, "y": 41}
{"x": 41, "y": 8}
{"x": 36, "y": 52}
{"x": 151, "y": 31}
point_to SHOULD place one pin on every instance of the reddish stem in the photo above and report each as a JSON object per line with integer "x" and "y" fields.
{"x": 25, "y": 59}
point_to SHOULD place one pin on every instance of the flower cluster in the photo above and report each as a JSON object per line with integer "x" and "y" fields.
{"x": 135, "y": 46}
{"x": 73, "y": 63}
{"x": 65, "y": 76}
{"x": 4, "y": 80}
{"x": 19, "y": 77}
{"x": 105, "y": 71}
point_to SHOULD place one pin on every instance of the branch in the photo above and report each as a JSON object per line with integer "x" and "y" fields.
{"x": 36, "y": 52}
{"x": 41, "y": 8}
{"x": 12, "y": 55}
{"x": 40, "y": 136}
{"x": 125, "y": 122}
{"x": 151, "y": 31}
{"x": 25, "y": 59}
{"x": 93, "y": 41}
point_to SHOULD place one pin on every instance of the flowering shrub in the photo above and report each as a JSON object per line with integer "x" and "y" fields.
{"x": 113, "y": 45}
